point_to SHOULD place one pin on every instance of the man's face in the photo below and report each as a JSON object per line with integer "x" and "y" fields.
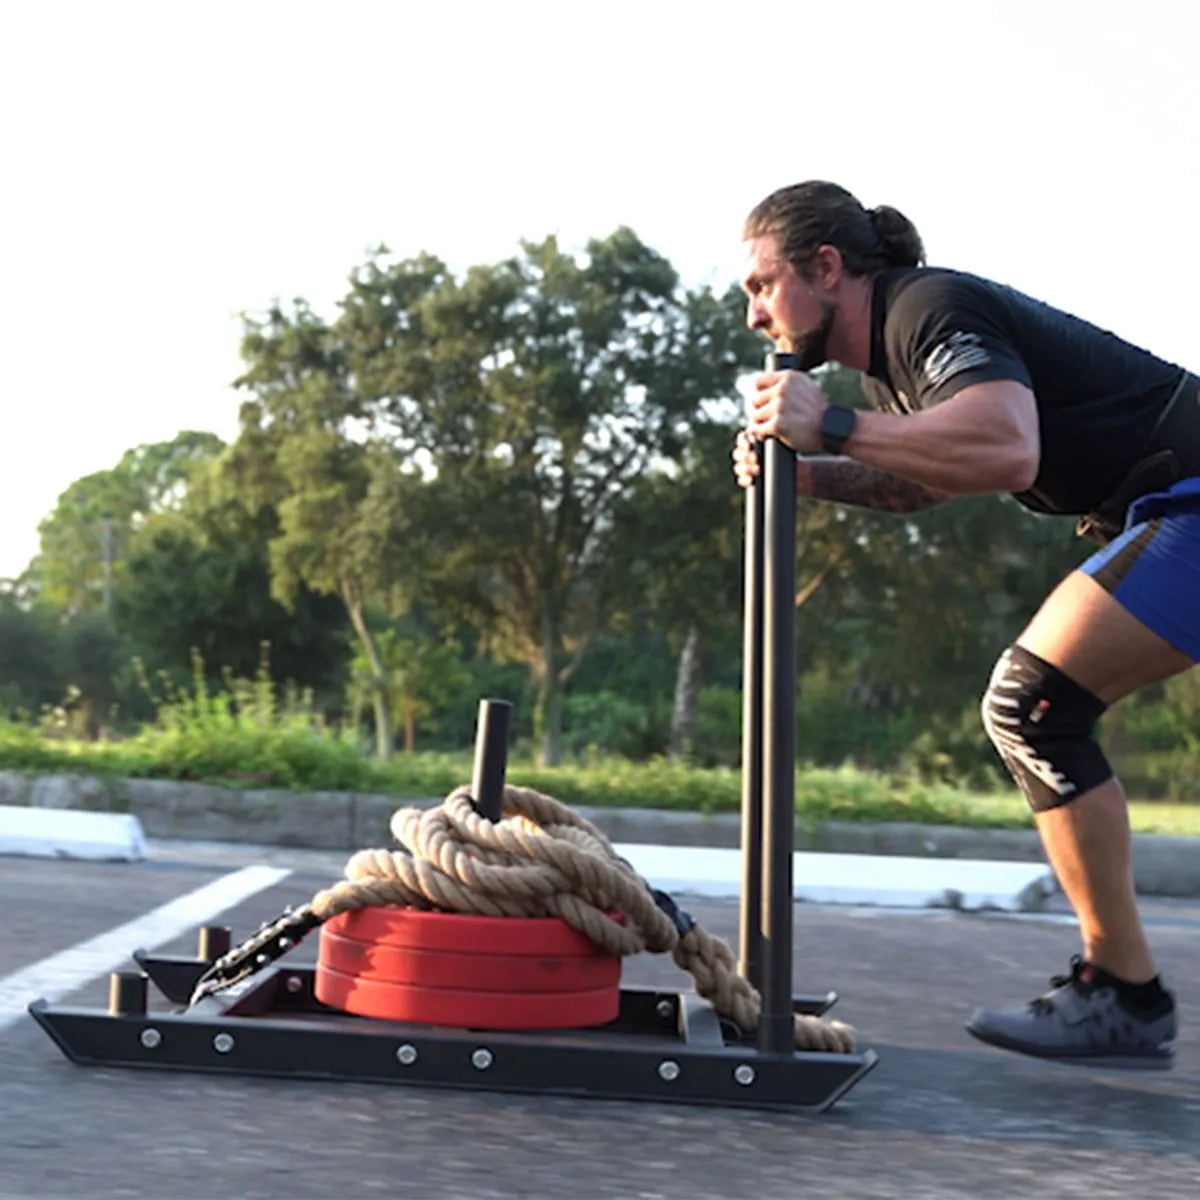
{"x": 784, "y": 306}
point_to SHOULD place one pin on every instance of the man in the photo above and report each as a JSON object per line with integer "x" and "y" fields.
{"x": 979, "y": 389}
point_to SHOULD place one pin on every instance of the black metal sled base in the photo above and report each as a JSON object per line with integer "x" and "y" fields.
{"x": 176, "y": 975}
{"x": 663, "y": 1046}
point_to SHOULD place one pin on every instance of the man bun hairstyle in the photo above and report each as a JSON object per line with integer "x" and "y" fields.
{"x": 898, "y": 237}
{"x": 806, "y": 216}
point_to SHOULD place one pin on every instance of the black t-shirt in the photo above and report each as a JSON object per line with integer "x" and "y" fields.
{"x": 935, "y": 332}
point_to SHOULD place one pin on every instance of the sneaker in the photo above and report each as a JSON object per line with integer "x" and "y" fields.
{"x": 1081, "y": 1020}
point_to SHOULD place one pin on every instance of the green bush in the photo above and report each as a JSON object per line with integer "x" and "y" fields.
{"x": 24, "y": 748}
{"x": 1168, "y": 724}
{"x": 244, "y": 748}
{"x": 247, "y": 735}
{"x": 955, "y": 751}
{"x": 717, "y": 741}
{"x": 1172, "y": 776}
{"x": 608, "y": 723}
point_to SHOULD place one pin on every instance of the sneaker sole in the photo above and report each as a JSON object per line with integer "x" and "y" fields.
{"x": 1139, "y": 1061}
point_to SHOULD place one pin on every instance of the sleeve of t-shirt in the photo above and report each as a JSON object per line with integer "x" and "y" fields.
{"x": 948, "y": 333}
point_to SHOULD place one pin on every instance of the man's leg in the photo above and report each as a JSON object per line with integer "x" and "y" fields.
{"x": 1093, "y": 640}
{"x": 1083, "y": 652}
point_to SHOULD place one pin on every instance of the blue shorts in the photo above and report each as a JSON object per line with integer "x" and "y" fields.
{"x": 1153, "y": 569}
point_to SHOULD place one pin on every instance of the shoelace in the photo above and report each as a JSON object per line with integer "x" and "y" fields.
{"x": 1045, "y": 1003}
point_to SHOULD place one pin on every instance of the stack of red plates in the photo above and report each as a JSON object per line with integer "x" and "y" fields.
{"x": 466, "y": 972}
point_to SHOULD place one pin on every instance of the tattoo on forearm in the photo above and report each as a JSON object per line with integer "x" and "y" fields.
{"x": 844, "y": 481}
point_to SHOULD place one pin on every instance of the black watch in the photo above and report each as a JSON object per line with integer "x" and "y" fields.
{"x": 836, "y": 426}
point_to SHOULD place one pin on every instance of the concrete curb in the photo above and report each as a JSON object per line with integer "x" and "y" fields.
{"x": 855, "y": 879}
{"x": 69, "y": 833}
{"x": 345, "y": 821}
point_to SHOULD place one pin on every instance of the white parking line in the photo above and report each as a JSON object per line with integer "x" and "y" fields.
{"x": 60, "y": 974}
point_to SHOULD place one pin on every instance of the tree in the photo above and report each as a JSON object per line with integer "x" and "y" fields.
{"x": 200, "y": 581}
{"x": 83, "y": 542}
{"x": 923, "y": 604}
{"x": 681, "y": 533}
{"x": 421, "y": 674}
{"x": 336, "y": 494}
{"x": 537, "y": 392}
{"x": 90, "y": 653}
{"x": 28, "y": 670}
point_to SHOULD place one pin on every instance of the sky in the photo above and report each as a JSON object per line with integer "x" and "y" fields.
{"x": 165, "y": 168}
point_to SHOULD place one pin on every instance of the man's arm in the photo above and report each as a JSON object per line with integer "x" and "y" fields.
{"x": 984, "y": 439}
{"x": 844, "y": 481}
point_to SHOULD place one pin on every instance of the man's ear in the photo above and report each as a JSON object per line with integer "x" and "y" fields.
{"x": 825, "y": 268}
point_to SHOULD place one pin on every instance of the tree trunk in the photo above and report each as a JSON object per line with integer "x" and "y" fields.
{"x": 89, "y": 722}
{"x": 547, "y": 711}
{"x": 384, "y": 738}
{"x": 383, "y": 725}
{"x": 688, "y": 681}
{"x": 547, "y": 721}
{"x": 410, "y": 732}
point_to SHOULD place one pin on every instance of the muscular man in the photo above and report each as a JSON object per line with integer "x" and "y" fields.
{"x": 976, "y": 388}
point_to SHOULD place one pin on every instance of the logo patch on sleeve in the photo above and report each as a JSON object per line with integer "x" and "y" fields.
{"x": 959, "y": 352}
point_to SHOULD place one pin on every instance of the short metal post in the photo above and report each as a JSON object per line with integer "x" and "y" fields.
{"x": 776, "y": 1030}
{"x": 491, "y": 757}
{"x": 127, "y": 994}
{"x": 214, "y": 942}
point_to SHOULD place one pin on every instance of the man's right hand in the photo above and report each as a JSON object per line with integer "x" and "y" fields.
{"x": 745, "y": 459}
{"x": 747, "y": 466}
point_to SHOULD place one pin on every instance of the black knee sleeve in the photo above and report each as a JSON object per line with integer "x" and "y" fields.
{"x": 1042, "y": 724}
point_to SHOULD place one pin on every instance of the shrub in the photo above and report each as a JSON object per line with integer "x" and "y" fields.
{"x": 610, "y": 724}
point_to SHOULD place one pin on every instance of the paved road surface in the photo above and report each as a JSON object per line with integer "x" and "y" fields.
{"x": 939, "y": 1117}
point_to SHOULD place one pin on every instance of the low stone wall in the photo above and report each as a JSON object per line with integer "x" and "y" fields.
{"x": 347, "y": 821}
{"x": 169, "y": 809}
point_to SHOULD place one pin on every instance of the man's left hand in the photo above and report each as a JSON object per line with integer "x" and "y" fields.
{"x": 787, "y": 405}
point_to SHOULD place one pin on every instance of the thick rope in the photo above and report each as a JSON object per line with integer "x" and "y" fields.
{"x": 544, "y": 860}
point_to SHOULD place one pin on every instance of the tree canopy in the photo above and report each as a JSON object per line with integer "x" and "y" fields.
{"x": 519, "y": 472}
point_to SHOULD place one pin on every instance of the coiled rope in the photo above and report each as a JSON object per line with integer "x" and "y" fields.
{"x": 542, "y": 859}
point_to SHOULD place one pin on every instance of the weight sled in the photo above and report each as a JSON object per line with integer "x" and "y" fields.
{"x": 244, "y": 1012}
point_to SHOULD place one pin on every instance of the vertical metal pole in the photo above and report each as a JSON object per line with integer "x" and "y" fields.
{"x": 750, "y": 922}
{"x": 776, "y": 1031}
{"x": 491, "y": 757}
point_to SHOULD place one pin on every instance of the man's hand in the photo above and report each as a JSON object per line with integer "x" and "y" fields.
{"x": 747, "y": 464}
{"x": 789, "y": 406}
{"x": 745, "y": 460}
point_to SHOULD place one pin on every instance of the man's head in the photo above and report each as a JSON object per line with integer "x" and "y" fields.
{"x": 803, "y": 244}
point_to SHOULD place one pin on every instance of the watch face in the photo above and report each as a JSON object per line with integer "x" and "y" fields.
{"x": 839, "y": 422}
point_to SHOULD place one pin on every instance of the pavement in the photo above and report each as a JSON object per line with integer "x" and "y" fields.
{"x": 940, "y": 1117}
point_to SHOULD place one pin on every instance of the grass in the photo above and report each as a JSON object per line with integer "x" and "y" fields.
{"x": 287, "y": 754}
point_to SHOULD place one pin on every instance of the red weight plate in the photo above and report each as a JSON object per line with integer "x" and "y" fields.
{"x": 463, "y": 933}
{"x": 465, "y": 1010}
{"x": 384, "y": 962}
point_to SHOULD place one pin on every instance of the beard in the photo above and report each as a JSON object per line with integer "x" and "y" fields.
{"x": 812, "y": 348}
